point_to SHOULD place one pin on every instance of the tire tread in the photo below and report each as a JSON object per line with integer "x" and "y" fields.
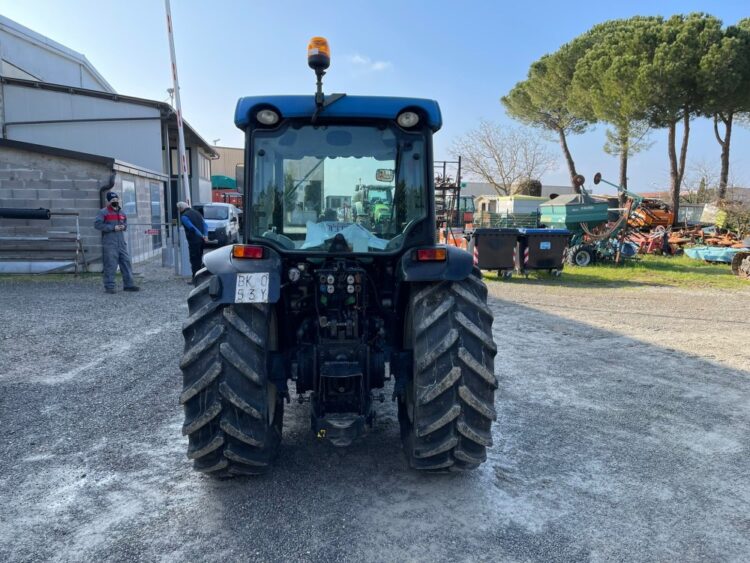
{"x": 447, "y": 415}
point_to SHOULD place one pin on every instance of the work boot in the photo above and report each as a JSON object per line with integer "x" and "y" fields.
{"x": 131, "y": 288}
{"x": 109, "y": 290}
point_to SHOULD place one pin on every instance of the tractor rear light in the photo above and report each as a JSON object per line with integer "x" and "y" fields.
{"x": 267, "y": 117}
{"x": 247, "y": 251}
{"x": 431, "y": 255}
{"x": 407, "y": 119}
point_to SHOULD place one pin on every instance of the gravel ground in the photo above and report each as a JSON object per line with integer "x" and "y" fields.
{"x": 623, "y": 435}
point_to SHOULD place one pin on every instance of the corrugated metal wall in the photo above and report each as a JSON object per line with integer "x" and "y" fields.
{"x": 136, "y": 139}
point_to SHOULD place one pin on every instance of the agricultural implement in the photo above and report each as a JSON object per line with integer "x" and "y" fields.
{"x": 597, "y": 229}
{"x": 336, "y": 304}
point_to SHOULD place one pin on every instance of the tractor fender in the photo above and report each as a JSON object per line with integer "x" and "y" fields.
{"x": 458, "y": 266}
{"x": 225, "y": 269}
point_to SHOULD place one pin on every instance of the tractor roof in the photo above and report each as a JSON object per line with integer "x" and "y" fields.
{"x": 349, "y": 106}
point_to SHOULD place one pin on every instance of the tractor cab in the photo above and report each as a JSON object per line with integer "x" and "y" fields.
{"x": 357, "y": 167}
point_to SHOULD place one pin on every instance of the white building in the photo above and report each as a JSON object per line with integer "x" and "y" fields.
{"x": 487, "y": 198}
{"x": 65, "y": 135}
{"x": 52, "y": 96}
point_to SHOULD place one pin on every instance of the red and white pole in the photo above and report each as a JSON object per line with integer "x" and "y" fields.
{"x": 180, "y": 131}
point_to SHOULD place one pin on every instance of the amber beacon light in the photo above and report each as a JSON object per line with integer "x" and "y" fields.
{"x": 318, "y": 54}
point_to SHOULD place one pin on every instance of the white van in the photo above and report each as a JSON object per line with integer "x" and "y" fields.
{"x": 223, "y": 222}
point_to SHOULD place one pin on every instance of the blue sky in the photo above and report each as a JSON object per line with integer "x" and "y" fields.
{"x": 464, "y": 54}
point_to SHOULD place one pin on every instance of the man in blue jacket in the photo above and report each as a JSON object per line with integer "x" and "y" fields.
{"x": 196, "y": 232}
{"x": 113, "y": 223}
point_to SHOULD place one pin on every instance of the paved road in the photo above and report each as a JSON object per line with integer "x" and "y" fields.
{"x": 608, "y": 446}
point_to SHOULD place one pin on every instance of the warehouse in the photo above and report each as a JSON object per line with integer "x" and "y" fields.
{"x": 134, "y": 130}
{"x": 72, "y": 186}
{"x": 51, "y": 96}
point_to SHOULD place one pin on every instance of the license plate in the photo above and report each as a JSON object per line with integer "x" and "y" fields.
{"x": 545, "y": 245}
{"x": 251, "y": 288}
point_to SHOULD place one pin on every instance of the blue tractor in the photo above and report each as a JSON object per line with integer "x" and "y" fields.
{"x": 317, "y": 298}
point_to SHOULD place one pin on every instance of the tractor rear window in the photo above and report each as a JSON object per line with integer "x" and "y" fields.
{"x": 313, "y": 182}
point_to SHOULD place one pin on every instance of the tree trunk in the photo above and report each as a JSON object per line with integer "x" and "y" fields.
{"x": 674, "y": 187}
{"x": 677, "y": 169}
{"x": 568, "y": 159}
{"x": 724, "y": 177}
{"x": 624, "y": 142}
{"x": 623, "y": 176}
{"x": 683, "y": 148}
{"x": 624, "y": 169}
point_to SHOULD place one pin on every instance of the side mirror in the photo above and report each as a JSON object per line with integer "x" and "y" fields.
{"x": 597, "y": 178}
{"x": 384, "y": 175}
{"x": 578, "y": 180}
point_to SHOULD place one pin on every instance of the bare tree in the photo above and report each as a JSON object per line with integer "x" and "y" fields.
{"x": 701, "y": 182}
{"x": 503, "y": 156}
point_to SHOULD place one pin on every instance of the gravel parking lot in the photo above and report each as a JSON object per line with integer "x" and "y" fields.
{"x": 623, "y": 435}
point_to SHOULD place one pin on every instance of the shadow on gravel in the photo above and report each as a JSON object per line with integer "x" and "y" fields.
{"x": 606, "y": 447}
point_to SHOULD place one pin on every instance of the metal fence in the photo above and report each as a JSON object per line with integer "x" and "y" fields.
{"x": 487, "y": 219}
{"x": 36, "y": 249}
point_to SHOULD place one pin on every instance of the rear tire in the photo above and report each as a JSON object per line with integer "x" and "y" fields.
{"x": 581, "y": 255}
{"x": 447, "y": 410}
{"x": 741, "y": 265}
{"x": 233, "y": 413}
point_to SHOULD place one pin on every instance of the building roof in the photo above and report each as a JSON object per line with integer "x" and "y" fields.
{"x": 41, "y": 42}
{"x": 372, "y": 107}
{"x": 168, "y": 112}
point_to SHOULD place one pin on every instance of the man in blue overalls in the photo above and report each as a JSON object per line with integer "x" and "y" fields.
{"x": 113, "y": 223}
{"x": 196, "y": 232}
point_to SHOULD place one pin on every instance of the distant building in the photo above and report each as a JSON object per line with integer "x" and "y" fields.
{"x": 487, "y": 198}
{"x": 51, "y": 96}
{"x": 735, "y": 194}
{"x": 28, "y": 55}
{"x": 228, "y": 160}
{"x": 71, "y": 184}
{"x": 487, "y": 189}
